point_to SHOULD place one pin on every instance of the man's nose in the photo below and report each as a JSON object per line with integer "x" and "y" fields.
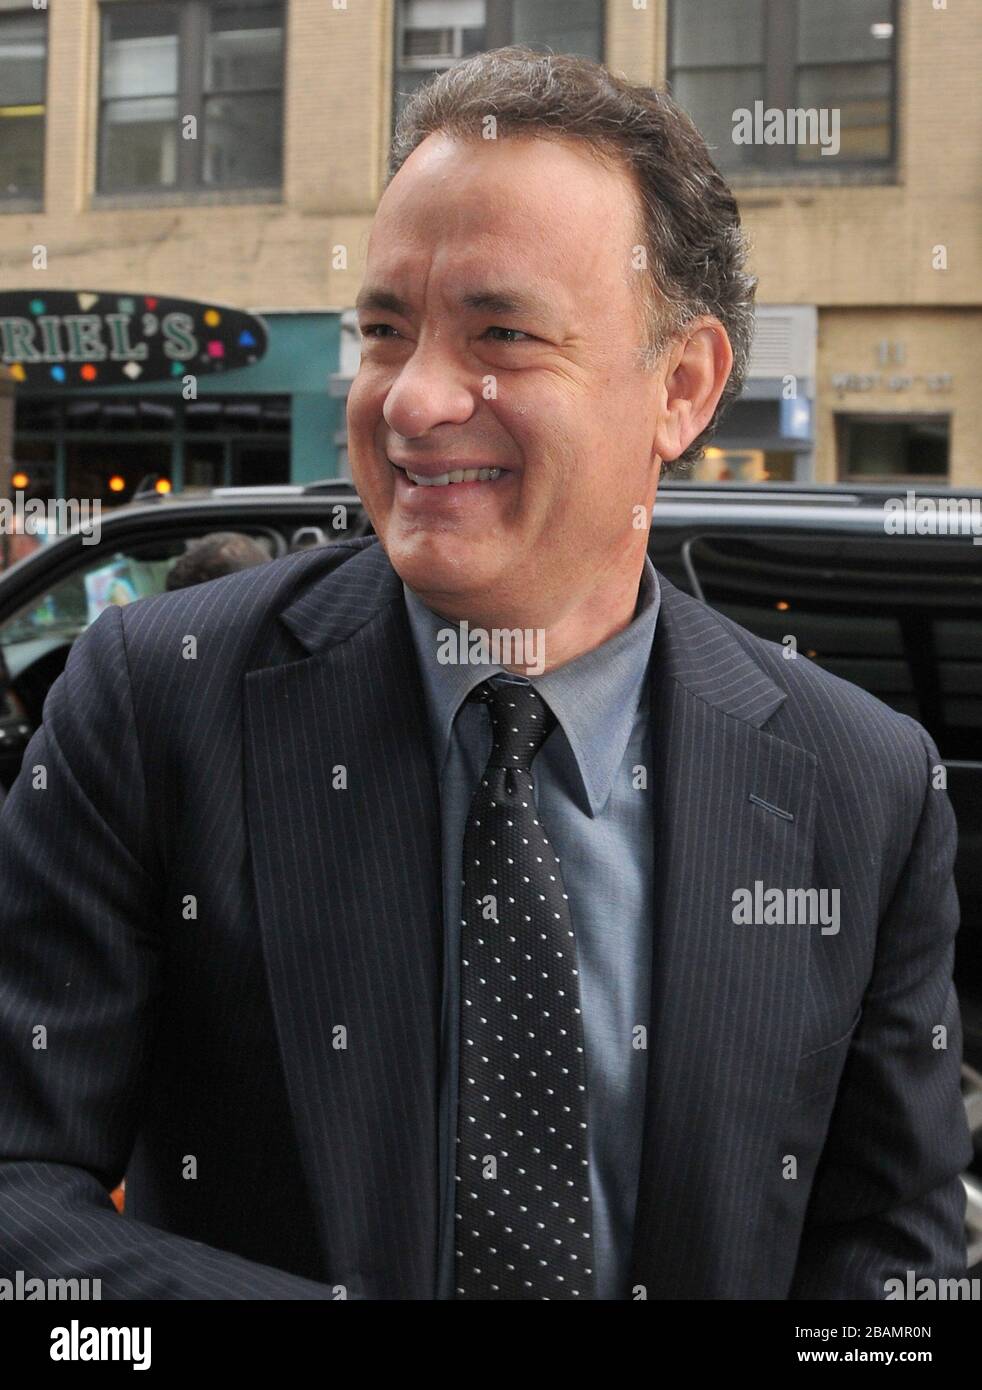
{"x": 431, "y": 389}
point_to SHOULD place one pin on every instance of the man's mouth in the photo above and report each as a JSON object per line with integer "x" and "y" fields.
{"x": 456, "y": 475}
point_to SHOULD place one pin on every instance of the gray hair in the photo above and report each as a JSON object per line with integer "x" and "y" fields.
{"x": 694, "y": 245}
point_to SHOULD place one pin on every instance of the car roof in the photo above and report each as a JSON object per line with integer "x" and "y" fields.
{"x": 828, "y": 508}
{"x": 822, "y": 506}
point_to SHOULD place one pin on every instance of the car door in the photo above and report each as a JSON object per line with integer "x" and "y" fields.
{"x": 901, "y": 617}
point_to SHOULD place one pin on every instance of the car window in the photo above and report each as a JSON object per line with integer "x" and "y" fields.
{"x": 17, "y": 544}
{"x": 900, "y": 617}
{"x": 63, "y": 611}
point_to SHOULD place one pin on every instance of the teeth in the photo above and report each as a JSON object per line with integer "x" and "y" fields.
{"x": 459, "y": 475}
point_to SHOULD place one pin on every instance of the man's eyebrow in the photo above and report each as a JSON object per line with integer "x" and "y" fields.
{"x": 500, "y": 301}
{"x": 507, "y": 302}
{"x": 383, "y": 300}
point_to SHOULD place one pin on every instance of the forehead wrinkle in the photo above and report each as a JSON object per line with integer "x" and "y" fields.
{"x": 470, "y": 245}
{"x": 501, "y": 300}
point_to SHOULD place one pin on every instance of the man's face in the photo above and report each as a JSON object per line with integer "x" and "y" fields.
{"x": 546, "y": 390}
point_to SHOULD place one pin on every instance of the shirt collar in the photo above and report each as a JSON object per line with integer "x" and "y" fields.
{"x": 594, "y": 698}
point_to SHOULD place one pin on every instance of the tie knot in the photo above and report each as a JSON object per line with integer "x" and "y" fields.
{"x": 521, "y": 721}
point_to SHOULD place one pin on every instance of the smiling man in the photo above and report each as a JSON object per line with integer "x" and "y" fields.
{"x": 501, "y": 319}
{"x": 382, "y": 972}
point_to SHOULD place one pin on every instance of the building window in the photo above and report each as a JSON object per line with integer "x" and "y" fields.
{"x": 744, "y": 465}
{"x": 781, "y": 85}
{"x": 191, "y": 96}
{"x": 890, "y": 448}
{"x": 23, "y": 52}
{"x": 434, "y": 34}
{"x": 104, "y": 445}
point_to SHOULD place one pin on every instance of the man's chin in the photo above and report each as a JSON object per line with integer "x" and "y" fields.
{"x": 442, "y": 569}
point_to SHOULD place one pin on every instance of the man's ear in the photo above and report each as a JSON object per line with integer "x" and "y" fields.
{"x": 691, "y": 379}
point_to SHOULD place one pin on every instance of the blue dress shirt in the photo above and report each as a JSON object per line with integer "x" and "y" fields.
{"x": 591, "y": 794}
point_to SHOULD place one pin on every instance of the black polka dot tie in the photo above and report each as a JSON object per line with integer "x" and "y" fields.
{"x": 523, "y": 1227}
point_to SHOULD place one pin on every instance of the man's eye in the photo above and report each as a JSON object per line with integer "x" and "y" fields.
{"x": 517, "y": 332}
{"x": 381, "y": 330}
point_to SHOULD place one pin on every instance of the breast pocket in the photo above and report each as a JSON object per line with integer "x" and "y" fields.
{"x": 820, "y": 1069}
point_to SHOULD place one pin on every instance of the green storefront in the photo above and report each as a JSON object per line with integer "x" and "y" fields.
{"x": 275, "y": 421}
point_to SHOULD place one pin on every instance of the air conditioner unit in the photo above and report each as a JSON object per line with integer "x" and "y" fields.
{"x": 784, "y": 341}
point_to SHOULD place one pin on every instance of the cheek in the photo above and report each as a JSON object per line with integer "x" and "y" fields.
{"x": 545, "y": 427}
{"x": 364, "y": 407}
{"x": 368, "y": 392}
{"x": 366, "y": 425}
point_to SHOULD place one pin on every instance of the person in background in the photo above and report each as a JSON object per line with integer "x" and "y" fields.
{"x": 222, "y": 552}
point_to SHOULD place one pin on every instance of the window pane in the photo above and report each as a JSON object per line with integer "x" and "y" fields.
{"x": 22, "y": 45}
{"x": 428, "y": 43}
{"x": 203, "y": 416}
{"x": 104, "y": 414}
{"x": 471, "y": 41}
{"x": 245, "y": 48}
{"x": 243, "y": 140}
{"x": 257, "y": 414}
{"x": 861, "y": 94}
{"x": 566, "y": 26}
{"x": 884, "y": 449}
{"x": 114, "y": 577}
{"x": 438, "y": 31}
{"x": 844, "y": 30}
{"x": 40, "y": 415}
{"x": 704, "y": 32}
{"x": 140, "y": 53}
{"x": 256, "y": 464}
{"x": 91, "y": 465}
{"x": 204, "y": 463}
{"x": 710, "y": 99}
{"x": 137, "y": 21}
{"x": 139, "y": 144}
{"x": 83, "y": 415}
{"x": 21, "y": 156}
{"x": 234, "y": 415}
{"x": 441, "y": 14}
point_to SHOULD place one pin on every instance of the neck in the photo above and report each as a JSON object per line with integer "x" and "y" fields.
{"x": 551, "y": 640}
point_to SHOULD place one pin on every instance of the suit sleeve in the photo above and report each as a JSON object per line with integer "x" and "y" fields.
{"x": 79, "y": 979}
{"x": 887, "y": 1195}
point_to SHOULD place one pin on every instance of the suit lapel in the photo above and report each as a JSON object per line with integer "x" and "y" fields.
{"x": 726, "y": 1000}
{"x": 343, "y": 821}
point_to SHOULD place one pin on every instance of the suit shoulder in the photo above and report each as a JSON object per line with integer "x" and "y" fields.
{"x": 822, "y": 710}
{"x": 235, "y": 606}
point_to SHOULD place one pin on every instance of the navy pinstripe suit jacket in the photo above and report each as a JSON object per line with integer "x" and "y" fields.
{"x": 220, "y": 972}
